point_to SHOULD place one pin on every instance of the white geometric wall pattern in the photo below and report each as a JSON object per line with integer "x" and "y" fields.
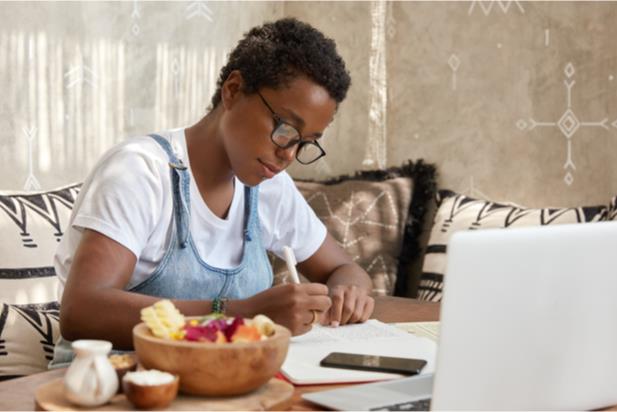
{"x": 80, "y": 74}
{"x": 135, "y": 16}
{"x": 568, "y": 124}
{"x": 31, "y": 181}
{"x": 454, "y": 62}
{"x": 473, "y": 191}
{"x": 198, "y": 9}
{"x": 486, "y": 6}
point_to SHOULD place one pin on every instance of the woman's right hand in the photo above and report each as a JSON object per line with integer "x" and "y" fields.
{"x": 291, "y": 305}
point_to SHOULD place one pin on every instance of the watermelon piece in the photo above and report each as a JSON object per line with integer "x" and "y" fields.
{"x": 233, "y": 326}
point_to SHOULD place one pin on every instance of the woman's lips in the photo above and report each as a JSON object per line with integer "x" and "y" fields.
{"x": 269, "y": 170}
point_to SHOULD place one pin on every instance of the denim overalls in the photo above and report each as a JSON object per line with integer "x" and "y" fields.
{"x": 182, "y": 274}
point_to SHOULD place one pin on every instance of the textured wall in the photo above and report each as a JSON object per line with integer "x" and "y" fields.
{"x": 77, "y": 77}
{"x": 480, "y": 88}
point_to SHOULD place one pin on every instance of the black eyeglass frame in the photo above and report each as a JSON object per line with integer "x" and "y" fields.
{"x": 278, "y": 121}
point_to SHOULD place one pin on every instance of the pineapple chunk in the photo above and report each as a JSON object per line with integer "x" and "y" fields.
{"x": 163, "y": 319}
{"x": 263, "y": 324}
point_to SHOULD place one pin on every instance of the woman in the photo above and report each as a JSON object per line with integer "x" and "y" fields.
{"x": 188, "y": 214}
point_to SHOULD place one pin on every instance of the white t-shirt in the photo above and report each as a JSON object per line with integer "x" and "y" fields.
{"x": 128, "y": 197}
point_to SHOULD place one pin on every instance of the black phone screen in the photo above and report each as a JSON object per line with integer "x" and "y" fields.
{"x": 405, "y": 366}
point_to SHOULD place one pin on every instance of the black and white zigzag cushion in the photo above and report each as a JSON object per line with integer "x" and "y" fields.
{"x": 612, "y": 209}
{"x": 458, "y": 212}
{"x": 27, "y": 337}
{"x": 31, "y": 224}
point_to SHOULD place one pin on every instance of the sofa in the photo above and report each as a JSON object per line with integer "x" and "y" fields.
{"x": 395, "y": 223}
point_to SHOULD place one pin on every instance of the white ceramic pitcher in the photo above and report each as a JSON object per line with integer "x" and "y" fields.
{"x": 91, "y": 380}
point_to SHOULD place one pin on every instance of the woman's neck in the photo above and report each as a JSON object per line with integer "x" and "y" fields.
{"x": 209, "y": 162}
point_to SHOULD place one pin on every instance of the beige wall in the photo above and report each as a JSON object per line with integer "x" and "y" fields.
{"x": 476, "y": 122}
{"x": 513, "y": 57}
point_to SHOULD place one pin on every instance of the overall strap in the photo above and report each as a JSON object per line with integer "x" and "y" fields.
{"x": 250, "y": 211}
{"x": 181, "y": 192}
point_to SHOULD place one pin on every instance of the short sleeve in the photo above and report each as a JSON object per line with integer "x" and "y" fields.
{"x": 288, "y": 220}
{"x": 123, "y": 199}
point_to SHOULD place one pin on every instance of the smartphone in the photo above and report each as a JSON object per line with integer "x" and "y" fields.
{"x": 405, "y": 366}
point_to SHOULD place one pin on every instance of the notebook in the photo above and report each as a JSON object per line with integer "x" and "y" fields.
{"x": 373, "y": 337}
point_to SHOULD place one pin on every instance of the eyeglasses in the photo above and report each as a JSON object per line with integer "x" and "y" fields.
{"x": 284, "y": 135}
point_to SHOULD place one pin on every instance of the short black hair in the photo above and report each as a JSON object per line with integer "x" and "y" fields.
{"x": 275, "y": 53}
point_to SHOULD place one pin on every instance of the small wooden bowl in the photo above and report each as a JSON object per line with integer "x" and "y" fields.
{"x": 207, "y": 368}
{"x": 122, "y": 364}
{"x": 150, "y": 396}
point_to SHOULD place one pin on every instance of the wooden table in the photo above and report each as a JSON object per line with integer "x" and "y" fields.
{"x": 18, "y": 394}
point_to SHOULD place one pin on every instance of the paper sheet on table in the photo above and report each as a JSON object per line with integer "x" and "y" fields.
{"x": 370, "y": 338}
{"x": 427, "y": 329}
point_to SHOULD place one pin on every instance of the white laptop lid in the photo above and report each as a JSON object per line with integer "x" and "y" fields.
{"x": 529, "y": 319}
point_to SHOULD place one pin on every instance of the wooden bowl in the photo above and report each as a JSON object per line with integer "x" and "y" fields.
{"x": 122, "y": 364}
{"x": 150, "y": 396}
{"x": 207, "y": 368}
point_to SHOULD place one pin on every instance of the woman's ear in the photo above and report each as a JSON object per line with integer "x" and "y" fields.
{"x": 232, "y": 88}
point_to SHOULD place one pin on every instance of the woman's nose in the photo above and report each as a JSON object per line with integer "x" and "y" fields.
{"x": 286, "y": 154}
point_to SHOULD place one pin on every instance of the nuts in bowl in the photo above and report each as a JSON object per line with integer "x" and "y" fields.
{"x": 122, "y": 364}
{"x": 212, "y": 355}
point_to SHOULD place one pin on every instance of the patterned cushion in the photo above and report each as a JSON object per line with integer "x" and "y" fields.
{"x": 458, "y": 212}
{"x": 375, "y": 216}
{"x": 27, "y": 337}
{"x": 612, "y": 210}
{"x": 31, "y": 224}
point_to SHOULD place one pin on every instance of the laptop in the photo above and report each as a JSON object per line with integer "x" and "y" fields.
{"x": 528, "y": 322}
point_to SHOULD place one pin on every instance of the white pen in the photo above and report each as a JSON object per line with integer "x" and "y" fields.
{"x": 290, "y": 260}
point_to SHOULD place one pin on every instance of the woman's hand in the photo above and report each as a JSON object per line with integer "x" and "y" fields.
{"x": 350, "y": 286}
{"x": 291, "y": 305}
{"x": 350, "y": 304}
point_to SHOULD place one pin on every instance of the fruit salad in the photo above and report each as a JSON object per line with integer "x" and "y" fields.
{"x": 165, "y": 321}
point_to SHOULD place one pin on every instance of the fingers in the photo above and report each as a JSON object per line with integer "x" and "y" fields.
{"x": 319, "y": 303}
{"x": 336, "y": 310}
{"x": 309, "y": 303}
{"x": 313, "y": 288}
{"x": 325, "y": 318}
{"x": 313, "y": 317}
{"x": 368, "y": 309}
{"x": 364, "y": 309}
{"x": 350, "y": 304}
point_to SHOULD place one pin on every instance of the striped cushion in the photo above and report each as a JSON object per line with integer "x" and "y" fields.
{"x": 27, "y": 337}
{"x": 458, "y": 212}
{"x": 612, "y": 210}
{"x": 32, "y": 224}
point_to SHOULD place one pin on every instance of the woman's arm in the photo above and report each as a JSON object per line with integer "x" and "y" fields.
{"x": 95, "y": 306}
{"x": 350, "y": 286}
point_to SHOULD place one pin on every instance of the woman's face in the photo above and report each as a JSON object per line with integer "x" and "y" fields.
{"x": 247, "y": 124}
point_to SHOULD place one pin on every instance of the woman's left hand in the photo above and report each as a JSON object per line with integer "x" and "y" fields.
{"x": 350, "y": 304}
